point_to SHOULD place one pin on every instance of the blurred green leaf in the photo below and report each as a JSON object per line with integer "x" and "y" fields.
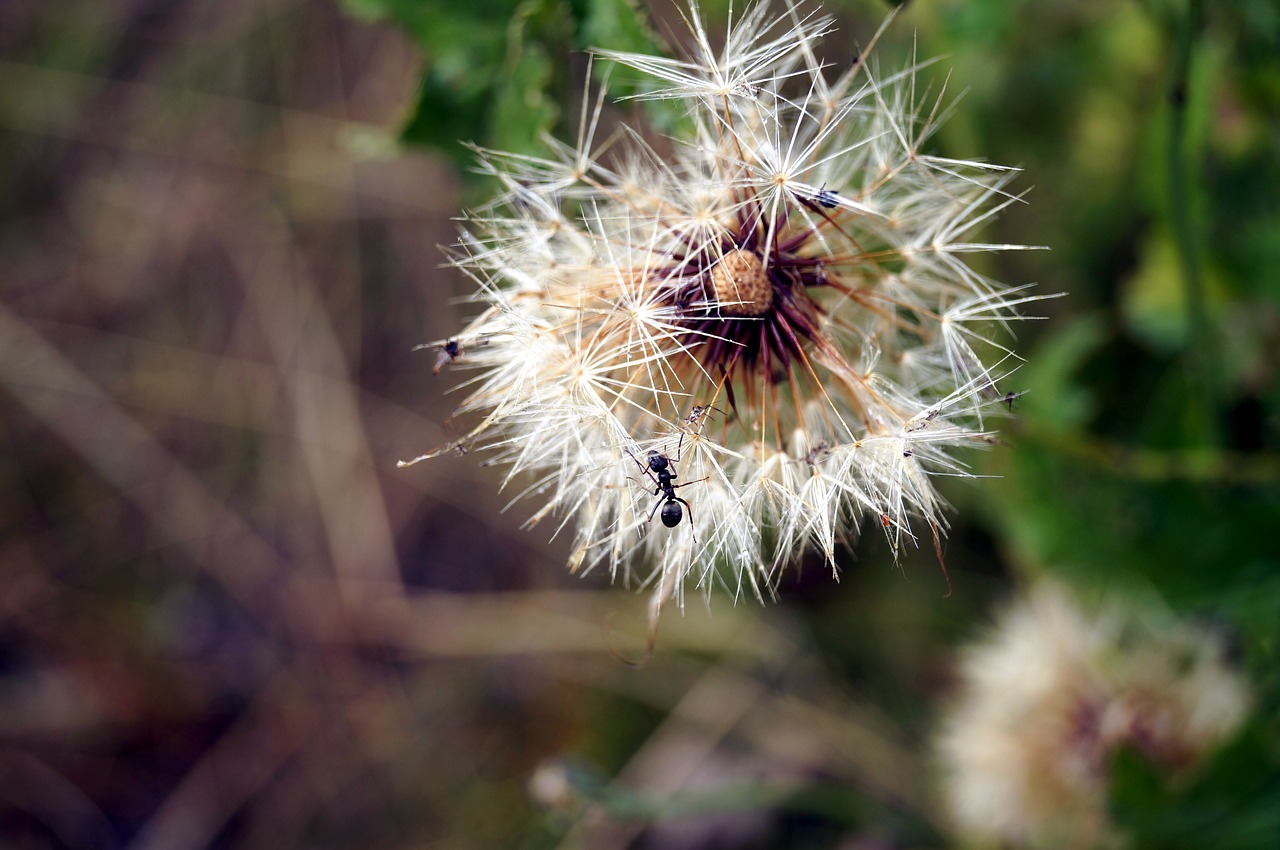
{"x": 1059, "y": 402}
{"x": 1231, "y": 803}
{"x": 614, "y": 24}
{"x": 1153, "y": 301}
{"x": 521, "y": 111}
{"x": 621, "y": 25}
{"x": 497, "y": 72}
{"x": 1114, "y": 506}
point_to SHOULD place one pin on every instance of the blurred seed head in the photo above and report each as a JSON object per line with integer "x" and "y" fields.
{"x": 1054, "y": 692}
{"x": 780, "y": 305}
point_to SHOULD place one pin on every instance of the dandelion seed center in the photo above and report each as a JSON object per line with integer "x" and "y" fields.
{"x": 740, "y": 284}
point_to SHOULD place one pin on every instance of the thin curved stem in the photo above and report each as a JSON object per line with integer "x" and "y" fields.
{"x": 1201, "y": 350}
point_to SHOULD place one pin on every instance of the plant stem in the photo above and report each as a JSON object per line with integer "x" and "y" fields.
{"x": 1201, "y": 352}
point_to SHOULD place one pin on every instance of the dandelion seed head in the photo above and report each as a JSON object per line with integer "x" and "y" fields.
{"x": 793, "y": 270}
{"x": 1051, "y": 695}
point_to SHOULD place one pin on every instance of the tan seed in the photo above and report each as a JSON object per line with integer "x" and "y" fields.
{"x": 740, "y": 284}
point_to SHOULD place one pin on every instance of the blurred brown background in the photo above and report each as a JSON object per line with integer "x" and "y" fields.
{"x": 213, "y": 278}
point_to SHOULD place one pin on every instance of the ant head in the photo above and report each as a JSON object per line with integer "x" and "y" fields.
{"x": 657, "y": 462}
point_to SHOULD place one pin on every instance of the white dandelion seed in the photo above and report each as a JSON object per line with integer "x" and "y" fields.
{"x": 780, "y": 308}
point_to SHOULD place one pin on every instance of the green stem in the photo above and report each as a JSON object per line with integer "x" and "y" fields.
{"x": 1201, "y": 465}
{"x": 1201, "y": 352}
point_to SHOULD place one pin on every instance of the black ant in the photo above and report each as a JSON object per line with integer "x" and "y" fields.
{"x": 828, "y": 198}
{"x": 662, "y": 471}
{"x": 449, "y": 351}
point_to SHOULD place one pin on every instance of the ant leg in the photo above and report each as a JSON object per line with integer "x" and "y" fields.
{"x": 687, "y": 483}
{"x": 656, "y": 490}
{"x": 636, "y": 459}
{"x": 643, "y": 469}
{"x": 676, "y": 459}
{"x": 658, "y": 504}
{"x": 693, "y": 529}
